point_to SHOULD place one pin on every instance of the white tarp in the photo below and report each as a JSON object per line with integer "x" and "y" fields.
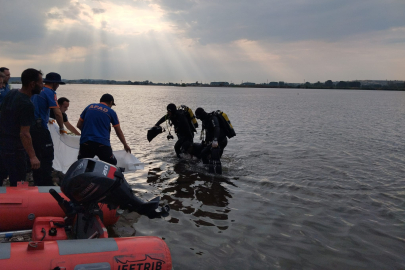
{"x": 66, "y": 150}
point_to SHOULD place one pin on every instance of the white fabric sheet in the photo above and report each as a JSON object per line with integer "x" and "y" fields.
{"x": 66, "y": 150}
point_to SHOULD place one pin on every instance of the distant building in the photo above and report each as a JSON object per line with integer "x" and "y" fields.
{"x": 274, "y": 84}
{"x": 341, "y": 84}
{"x": 281, "y": 84}
{"x": 248, "y": 83}
{"x": 219, "y": 84}
{"x": 293, "y": 84}
{"x": 318, "y": 85}
{"x": 329, "y": 83}
{"x": 14, "y": 80}
{"x": 354, "y": 84}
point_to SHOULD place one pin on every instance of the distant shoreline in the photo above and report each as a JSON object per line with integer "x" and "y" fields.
{"x": 395, "y": 86}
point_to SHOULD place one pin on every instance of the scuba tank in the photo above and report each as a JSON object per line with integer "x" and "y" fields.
{"x": 190, "y": 115}
{"x": 225, "y": 123}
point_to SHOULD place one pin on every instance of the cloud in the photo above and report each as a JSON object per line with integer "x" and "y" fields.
{"x": 73, "y": 11}
{"x": 103, "y": 24}
{"x": 167, "y": 40}
{"x": 98, "y": 10}
{"x": 167, "y": 58}
{"x": 228, "y": 20}
{"x": 55, "y": 16}
{"x": 177, "y": 5}
{"x": 24, "y": 20}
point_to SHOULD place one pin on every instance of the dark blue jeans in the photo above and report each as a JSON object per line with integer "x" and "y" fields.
{"x": 43, "y": 146}
{"x": 13, "y": 163}
{"x": 90, "y": 149}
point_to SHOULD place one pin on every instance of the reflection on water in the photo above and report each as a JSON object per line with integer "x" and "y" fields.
{"x": 314, "y": 179}
{"x": 185, "y": 186}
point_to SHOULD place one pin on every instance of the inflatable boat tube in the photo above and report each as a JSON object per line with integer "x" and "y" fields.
{"x": 143, "y": 253}
{"x": 19, "y": 206}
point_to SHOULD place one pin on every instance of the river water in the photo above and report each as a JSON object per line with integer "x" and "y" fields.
{"x": 314, "y": 179}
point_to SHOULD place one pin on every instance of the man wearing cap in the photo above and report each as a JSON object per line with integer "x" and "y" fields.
{"x": 181, "y": 127}
{"x": 41, "y": 137}
{"x": 95, "y": 123}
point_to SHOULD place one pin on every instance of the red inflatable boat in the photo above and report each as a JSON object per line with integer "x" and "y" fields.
{"x": 67, "y": 228}
{"x": 140, "y": 253}
{"x": 19, "y": 206}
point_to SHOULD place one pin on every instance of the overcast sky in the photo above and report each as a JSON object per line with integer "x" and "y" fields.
{"x": 206, "y": 40}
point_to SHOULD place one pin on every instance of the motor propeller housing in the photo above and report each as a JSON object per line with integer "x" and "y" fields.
{"x": 90, "y": 181}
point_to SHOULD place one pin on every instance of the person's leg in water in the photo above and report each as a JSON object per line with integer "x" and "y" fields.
{"x": 215, "y": 165}
{"x": 196, "y": 150}
{"x": 222, "y": 144}
{"x": 179, "y": 145}
{"x": 205, "y": 153}
{"x": 216, "y": 154}
{"x": 212, "y": 156}
{"x": 192, "y": 149}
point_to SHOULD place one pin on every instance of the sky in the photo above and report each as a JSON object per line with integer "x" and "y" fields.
{"x": 236, "y": 41}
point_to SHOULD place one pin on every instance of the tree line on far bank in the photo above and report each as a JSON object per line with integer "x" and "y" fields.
{"x": 354, "y": 85}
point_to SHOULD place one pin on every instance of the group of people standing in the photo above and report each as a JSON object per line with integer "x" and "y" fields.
{"x": 24, "y": 135}
{"x": 212, "y": 145}
{"x": 26, "y": 143}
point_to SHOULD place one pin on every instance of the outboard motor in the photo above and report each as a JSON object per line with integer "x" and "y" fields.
{"x": 90, "y": 181}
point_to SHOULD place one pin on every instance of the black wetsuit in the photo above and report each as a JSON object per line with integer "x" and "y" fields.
{"x": 213, "y": 132}
{"x": 182, "y": 127}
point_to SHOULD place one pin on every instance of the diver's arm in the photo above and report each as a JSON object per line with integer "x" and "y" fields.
{"x": 121, "y": 136}
{"x": 161, "y": 120}
{"x": 71, "y": 128}
{"x": 215, "y": 125}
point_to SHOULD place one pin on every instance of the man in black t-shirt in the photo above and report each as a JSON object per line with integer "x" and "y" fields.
{"x": 63, "y": 106}
{"x": 17, "y": 116}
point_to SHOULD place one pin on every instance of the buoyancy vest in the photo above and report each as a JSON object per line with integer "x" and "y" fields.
{"x": 224, "y": 123}
{"x": 190, "y": 116}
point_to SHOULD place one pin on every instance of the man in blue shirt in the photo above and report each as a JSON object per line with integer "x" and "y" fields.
{"x": 41, "y": 137}
{"x": 4, "y": 90}
{"x": 95, "y": 123}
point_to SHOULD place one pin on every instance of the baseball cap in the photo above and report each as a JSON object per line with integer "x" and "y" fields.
{"x": 107, "y": 98}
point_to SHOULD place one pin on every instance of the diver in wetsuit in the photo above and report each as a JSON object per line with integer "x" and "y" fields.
{"x": 182, "y": 126}
{"x": 215, "y": 137}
